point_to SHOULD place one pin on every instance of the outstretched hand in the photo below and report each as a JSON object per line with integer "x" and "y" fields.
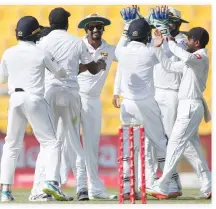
{"x": 130, "y": 13}
{"x": 158, "y": 41}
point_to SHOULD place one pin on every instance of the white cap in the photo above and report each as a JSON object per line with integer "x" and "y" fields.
{"x": 176, "y": 14}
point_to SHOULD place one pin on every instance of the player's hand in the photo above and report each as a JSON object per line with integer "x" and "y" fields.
{"x": 102, "y": 64}
{"x": 130, "y": 13}
{"x": 159, "y": 18}
{"x": 158, "y": 41}
{"x": 82, "y": 68}
{"x": 116, "y": 101}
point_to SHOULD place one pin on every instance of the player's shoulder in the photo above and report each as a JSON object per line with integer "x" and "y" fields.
{"x": 11, "y": 51}
{"x": 111, "y": 48}
{"x": 201, "y": 54}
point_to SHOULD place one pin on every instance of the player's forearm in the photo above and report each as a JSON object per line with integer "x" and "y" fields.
{"x": 179, "y": 52}
{"x": 117, "y": 83}
{"x": 95, "y": 67}
{"x": 166, "y": 63}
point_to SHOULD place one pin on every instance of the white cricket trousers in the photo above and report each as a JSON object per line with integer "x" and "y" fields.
{"x": 147, "y": 113}
{"x": 167, "y": 100}
{"x": 185, "y": 138}
{"x": 25, "y": 107}
{"x": 91, "y": 129}
{"x": 65, "y": 107}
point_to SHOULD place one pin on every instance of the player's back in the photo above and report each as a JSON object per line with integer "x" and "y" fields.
{"x": 136, "y": 62}
{"x": 26, "y": 68}
{"x": 66, "y": 49}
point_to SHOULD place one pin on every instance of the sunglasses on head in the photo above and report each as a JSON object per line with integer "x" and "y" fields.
{"x": 92, "y": 27}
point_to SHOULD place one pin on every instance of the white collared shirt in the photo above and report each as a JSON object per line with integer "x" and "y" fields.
{"x": 193, "y": 66}
{"x": 24, "y": 66}
{"x": 68, "y": 51}
{"x": 92, "y": 84}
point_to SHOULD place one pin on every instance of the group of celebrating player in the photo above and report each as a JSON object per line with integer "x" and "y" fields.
{"x": 55, "y": 81}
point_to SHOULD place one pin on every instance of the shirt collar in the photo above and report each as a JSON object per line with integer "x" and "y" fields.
{"x": 27, "y": 43}
{"x": 58, "y": 31}
{"x": 137, "y": 43}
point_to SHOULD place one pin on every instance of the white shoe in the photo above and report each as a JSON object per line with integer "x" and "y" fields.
{"x": 6, "y": 196}
{"x": 54, "y": 191}
{"x": 43, "y": 197}
{"x": 103, "y": 195}
{"x": 204, "y": 196}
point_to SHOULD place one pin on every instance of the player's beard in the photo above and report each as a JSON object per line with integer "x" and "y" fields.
{"x": 190, "y": 49}
{"x": 96, "y": 37}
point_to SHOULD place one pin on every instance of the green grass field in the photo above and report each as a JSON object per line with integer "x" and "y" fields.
{"x": 21, "y": 196}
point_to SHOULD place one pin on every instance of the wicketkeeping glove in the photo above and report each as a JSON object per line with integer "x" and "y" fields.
{"x": 159, "y": 20}
{"x": 129, "y": 14}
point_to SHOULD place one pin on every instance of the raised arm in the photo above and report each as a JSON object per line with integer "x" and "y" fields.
{"x": 167, "y": 64}
{"x": 190, "y": 59}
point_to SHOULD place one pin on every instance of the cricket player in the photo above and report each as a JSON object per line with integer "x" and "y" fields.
{"x": 90, "y": 90}
{"x": 166, "y": 94}
{"x": 194, "y": 66}
{"x": 135, "y": 63}
{"x": 63, "y": 95}
{"x": 24, "y": 65}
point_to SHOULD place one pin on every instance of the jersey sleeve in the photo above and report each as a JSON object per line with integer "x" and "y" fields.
{"x": 84, "y": 54}
{"x": 123, "y": 42}
{"x": 3, "y": 71}
{"x": 117, "y": 83}
{"x": 167, "y": 64}
{"x": 193, "y": 60}
{"x": 114, "y": 57}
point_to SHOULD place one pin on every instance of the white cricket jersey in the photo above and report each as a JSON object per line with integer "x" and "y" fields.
{"x": 164, "y": 79}
{"x": 135, "y": 62}
{"x": 194, "y": 67}
{"x": 92, "y": 85}
{"x": 68, "y": 51}
{"x": 24, "y": 65}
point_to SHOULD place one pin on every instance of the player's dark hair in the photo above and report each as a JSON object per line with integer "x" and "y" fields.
{"x": 202, "y": 44}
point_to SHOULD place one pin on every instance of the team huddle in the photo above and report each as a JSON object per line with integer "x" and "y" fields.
{"x": 55, "y": 80}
